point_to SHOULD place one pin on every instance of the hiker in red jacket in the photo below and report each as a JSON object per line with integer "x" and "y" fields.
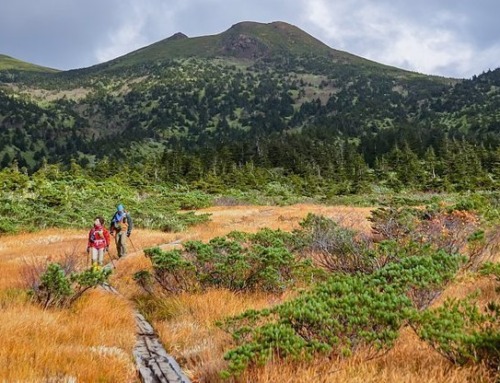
{"x": 98, "y": 241}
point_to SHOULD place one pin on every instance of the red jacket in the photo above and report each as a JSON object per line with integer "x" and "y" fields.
{"x": 98, "y": 237}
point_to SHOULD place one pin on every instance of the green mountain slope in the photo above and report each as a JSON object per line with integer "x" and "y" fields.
{"x": 249, "y": 40}
{"x": 10, "y": 63}
{"x": 245, "y": 41}
{"x": 263, "y": 94}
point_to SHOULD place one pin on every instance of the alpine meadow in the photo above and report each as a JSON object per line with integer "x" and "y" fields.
{"x": 296, "y": 214}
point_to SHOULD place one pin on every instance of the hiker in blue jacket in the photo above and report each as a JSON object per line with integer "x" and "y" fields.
{"x": 121, "y": 226}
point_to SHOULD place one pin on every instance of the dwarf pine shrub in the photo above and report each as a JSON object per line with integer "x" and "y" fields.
{"x": 57, "y": 287}
{"x": 462, "y": 333}
{"x": 54, "y": 288}
{"x": 491, "y": 268}
{"x": 336, "y": 248}
{"x": 262, "y": 261}
{"x": 172, "y": 272}
{"x": 340, "y": 315}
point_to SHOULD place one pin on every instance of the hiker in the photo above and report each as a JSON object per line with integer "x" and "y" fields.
{"x": 121, "y": 225}
{"x": 98, "y": 241}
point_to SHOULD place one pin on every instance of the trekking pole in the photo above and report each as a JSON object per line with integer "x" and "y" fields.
{"x": 111, "y": 259}
{"x": 132, "y": 243}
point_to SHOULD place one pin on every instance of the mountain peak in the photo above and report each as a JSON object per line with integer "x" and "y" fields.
{"x": 249, "y": 39}
{"x": 254, "y": 24}
{"x": 177, "y": 36}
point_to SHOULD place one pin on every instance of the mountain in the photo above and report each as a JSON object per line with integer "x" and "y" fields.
{"x": 245, "y": 40}
{"x": 10, "y": 63}
{"x": 267, "y": 94}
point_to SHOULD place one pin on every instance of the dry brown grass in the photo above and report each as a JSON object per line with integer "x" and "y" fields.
{"x": 93, "y": 340}
{"x": 410, "y": 361}
{"x": 253, "y": 218}
{"x": 192, "y": 335}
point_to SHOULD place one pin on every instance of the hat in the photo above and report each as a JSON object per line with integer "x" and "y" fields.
{"x": 120, "y": 207}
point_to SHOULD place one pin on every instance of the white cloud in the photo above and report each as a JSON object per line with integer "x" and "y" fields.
{"x": 126, "y": 39}
{"x": 484, "y": 60}
{"x": 447, "y": 37}
{"x": 388, "y": 35}
{"x": 141, "y": 24}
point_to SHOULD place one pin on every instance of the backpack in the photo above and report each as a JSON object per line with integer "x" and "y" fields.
{"x": 120, "y": 221}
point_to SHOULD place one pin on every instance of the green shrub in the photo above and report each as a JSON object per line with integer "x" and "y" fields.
{"x": 63, "y": 199}
{"x": 261, "y": 261}
{"x": 342, "y": 314}
{"x": 336, "y": 248}
{"x": 490, "y": 268}
{"x": 144, "y": 279}
{"x": 171, "y": 270}
{"x": 193, "y": 200}
{"x": 57, "y": 287}
{"x": 7, "y": 225}
{"x": 461, "y": 333}
{"x": 420, "y": 270}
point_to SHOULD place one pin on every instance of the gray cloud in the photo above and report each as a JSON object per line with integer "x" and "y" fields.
{"x": 457, "y": 38}
{"x": 55, "y": 33}
{"x": 430, "y": 37}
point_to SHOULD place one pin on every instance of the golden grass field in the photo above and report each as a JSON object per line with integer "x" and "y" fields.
{"x": 93, "y": 340}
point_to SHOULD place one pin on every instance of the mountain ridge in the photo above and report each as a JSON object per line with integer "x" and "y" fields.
{"x": 262, "y": 94}
{"x": 11, "y": 63}
{"x": 246, "y": 40}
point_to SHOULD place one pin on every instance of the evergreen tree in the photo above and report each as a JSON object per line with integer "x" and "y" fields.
{"x": 6, "y": 160}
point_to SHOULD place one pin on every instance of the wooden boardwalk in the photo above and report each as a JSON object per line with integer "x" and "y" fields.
{"x": 153, "y": 362}
{"x": 154, "y": 365}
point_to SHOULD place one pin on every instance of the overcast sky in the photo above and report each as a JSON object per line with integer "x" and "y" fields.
{"x": 453, "y": 38}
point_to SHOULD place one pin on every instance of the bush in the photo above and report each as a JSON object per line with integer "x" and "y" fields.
{"x": 342, "y": 314}
{"x": 461, "y": 333}
{"x": 443, "y": 228}
{"x": 490, "y": 268}
{"x": 71, "y": 200}
{"x": 54, "y": 288}
{"x": 336, "y": 248}
{"x": 193, "y": 200}
{"x": 60, "y": 287}
{"x": 393, "y": 223}
{"x": 263, "y": 261}
{"x": 483, "y": 248}
{"x": 171, "y": 270}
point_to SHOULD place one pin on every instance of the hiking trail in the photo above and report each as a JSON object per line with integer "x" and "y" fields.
{"x": 154, "y": 364}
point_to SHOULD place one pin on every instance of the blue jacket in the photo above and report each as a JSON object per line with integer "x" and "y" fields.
{"x": 121, "y": 220}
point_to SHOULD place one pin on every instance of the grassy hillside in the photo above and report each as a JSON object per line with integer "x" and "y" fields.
{"x": 267, "y": 113}
{"x": 267, "y": 97}
{"x": 246, "y": 40}
{"x": 10, "y": 63}
{"x": 55, "y": 344}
